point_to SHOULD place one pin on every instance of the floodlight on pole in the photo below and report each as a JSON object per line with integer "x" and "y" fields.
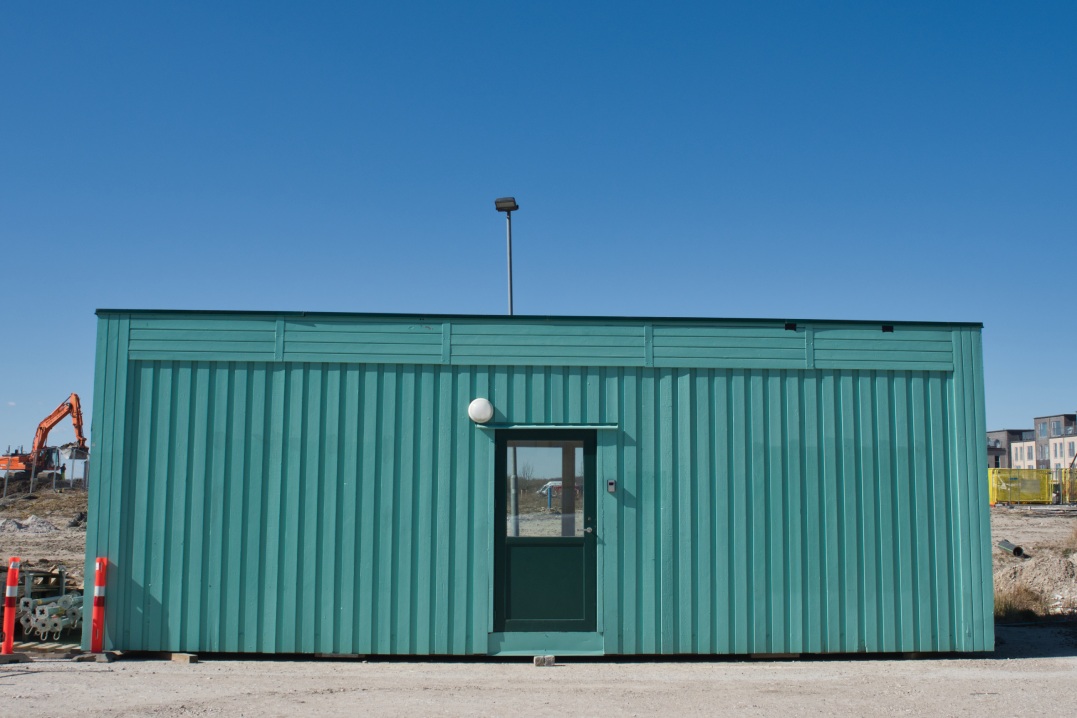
{"x": 508, "y": 206}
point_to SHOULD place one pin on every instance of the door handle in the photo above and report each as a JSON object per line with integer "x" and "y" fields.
{"x": 588, "y": 530}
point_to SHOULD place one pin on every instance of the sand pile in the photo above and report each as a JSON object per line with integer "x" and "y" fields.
{"x": 1050, "y": 572}
{"x": 1048, "y": 534}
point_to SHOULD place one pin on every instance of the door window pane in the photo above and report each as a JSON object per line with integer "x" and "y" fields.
{"x": 544, "y": 487}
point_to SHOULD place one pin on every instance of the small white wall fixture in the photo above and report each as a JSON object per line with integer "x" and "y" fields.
{"x": 480, "y": 411}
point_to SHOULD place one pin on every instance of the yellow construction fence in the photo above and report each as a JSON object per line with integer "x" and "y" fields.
{"x": 1032, "y": 486}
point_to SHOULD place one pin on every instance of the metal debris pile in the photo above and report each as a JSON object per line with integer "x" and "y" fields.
{"x": 50, "y": 615}
{"x": 49, "y": 603}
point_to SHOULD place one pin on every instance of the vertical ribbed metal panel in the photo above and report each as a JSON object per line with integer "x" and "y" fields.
{"x": 301, "y": 508}
{"x": 347, "y": 508}
{"x": 783, "y": 512}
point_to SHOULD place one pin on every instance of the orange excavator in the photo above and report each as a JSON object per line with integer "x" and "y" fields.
{"x": 43, "y": 458}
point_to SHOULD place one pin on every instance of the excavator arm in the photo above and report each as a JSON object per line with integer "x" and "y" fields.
{"x": 72, "y": 407}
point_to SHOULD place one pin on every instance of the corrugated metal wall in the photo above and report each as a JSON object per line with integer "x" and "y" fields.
{"x": 278, "y": 506}
{"x": 773, "y": 512}
{"x": 303, "y": 508}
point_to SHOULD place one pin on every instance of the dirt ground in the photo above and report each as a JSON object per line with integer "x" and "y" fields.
{"x": 48, "y": 541}
{"x": 1048, "y": 536}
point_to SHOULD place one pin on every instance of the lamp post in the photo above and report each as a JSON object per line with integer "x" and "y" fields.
{"x": 508, "y": 206}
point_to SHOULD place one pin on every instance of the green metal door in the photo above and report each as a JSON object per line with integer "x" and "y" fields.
{"x": 544, "y": 531}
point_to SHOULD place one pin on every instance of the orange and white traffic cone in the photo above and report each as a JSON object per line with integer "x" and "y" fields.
{"x": 97, "y": 627}
{"x": 10, "y": 607}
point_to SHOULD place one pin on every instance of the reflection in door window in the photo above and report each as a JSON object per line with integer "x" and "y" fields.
{"x": 544, "y": 482}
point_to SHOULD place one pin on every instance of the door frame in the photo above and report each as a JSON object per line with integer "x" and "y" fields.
{"x": 589, "y": 541}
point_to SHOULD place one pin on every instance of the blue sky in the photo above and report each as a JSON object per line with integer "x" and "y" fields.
{"x": 902, "y": 161}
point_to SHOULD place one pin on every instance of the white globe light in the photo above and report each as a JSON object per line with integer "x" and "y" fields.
{"x": 480, "y": 411}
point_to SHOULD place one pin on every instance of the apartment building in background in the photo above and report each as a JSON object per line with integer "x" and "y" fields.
{"x": 1007, "y": 448}
{"x": 1052, "y": 433}
{"x": 1062, "y": 449}
{"x": 1023, "y": 452}
{"x": 1051, "y": 443}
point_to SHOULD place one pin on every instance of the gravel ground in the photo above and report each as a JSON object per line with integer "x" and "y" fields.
{"x": 1031, "y": 673}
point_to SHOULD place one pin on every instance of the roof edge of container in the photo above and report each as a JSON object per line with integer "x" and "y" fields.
{"x": 533, "y": 317}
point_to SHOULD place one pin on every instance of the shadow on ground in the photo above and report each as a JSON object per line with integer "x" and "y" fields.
{"x": 1012, "y": 641}
{"x": 1036, "y": 640}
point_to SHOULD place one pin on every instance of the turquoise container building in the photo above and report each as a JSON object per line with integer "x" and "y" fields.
{"x": 493, "y": 485}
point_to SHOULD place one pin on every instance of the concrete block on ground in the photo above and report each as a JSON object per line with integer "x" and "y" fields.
{"x": 106, "y": 657}
{"x": 184, "y": 657}
{"x": 545, "y": 660}
{"x": 14, "y": 658}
